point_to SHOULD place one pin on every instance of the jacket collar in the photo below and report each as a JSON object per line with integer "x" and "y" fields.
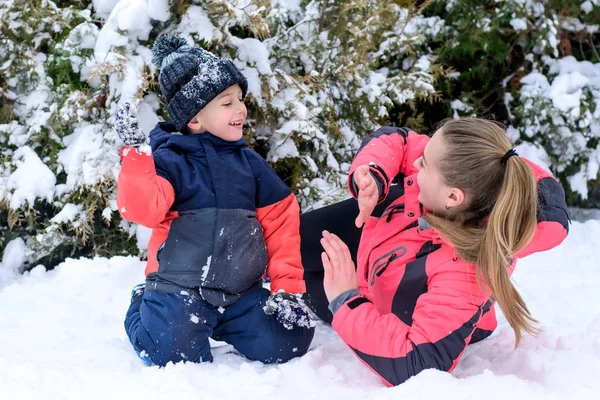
{"x": 166, "y": 135}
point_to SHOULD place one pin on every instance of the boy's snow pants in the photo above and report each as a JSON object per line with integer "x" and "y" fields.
{"x": 169, "y": 327}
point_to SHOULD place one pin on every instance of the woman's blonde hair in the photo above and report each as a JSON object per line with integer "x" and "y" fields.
{"x": 499, "y": 217}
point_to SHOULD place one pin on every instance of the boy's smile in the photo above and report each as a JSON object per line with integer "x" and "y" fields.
{"x": 237, "y": 124}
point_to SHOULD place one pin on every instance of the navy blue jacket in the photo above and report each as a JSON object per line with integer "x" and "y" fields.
{"x": 229, "y": 216}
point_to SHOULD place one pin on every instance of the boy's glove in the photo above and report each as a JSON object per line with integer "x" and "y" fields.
{"x": 291, "y": 310}
{"x": 126, "y": 126}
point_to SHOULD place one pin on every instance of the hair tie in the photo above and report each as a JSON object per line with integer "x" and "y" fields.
{"x": 509, "y": 154}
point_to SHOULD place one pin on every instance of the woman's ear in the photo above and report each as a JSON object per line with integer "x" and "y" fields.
{"x": 456, "y": 197}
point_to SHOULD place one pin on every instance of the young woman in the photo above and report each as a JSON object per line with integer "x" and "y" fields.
{"x": 437, "y": 252}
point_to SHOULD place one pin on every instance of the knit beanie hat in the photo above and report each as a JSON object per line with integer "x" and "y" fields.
{"x": 190, "y": 77}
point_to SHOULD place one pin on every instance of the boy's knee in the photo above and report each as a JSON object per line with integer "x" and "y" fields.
{"x": 299, "y": 344}
{"x": 284, "y": 345}
{"x": 163, "y": 333}
{"x": 189, "y": 350}
{"x": 170, "y": 343}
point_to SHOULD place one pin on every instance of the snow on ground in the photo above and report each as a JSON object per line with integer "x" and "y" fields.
{"x": 62, "y": 337}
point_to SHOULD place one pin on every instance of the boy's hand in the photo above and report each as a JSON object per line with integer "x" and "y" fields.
{"x": 291, "y": 310}
{"x": 126, "y": 126}
{"x": 368, "y": 194}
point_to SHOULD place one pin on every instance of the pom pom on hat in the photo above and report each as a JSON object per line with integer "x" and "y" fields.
{"x": 165, "y": 45}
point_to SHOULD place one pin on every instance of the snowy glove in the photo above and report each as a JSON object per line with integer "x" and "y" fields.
{"x": 126, "y": 126}
{"x": 291, "y": 310}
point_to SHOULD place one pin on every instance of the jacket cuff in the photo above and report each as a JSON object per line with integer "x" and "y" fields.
{"x": 126, "y": 149}
{"x": 288, "y": 285}
{"x": 378, "y": 181}
{"x": 339, "y": 301}
{"x": 380, "y": 185}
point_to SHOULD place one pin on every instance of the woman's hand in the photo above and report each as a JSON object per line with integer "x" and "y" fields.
{"x": 368, "y": 194}
{"x": 340, "y": 274}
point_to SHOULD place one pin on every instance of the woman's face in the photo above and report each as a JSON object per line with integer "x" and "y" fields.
{"x": 434, "y": 194}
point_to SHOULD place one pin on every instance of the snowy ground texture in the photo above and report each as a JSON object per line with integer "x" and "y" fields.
{"x": 62, "y": 337}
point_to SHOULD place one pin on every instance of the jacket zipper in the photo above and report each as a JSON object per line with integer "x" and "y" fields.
{"x": 377, "y": 271}
{"x": 382, "y": 270}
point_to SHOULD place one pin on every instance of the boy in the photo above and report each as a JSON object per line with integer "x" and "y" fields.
{"x": 220, "y": 219}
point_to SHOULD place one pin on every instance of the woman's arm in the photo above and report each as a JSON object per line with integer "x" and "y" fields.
{"x": 388, "y": 151}
{"x": 552, "y": 217}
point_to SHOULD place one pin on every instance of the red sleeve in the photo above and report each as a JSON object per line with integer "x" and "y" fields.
{"x": 143, "y": 197}
{"x": 388, "y": 151}
{"x": 443, "y": 322}
{"x": 281, "y": 228}
{"x": 553, "y": 216}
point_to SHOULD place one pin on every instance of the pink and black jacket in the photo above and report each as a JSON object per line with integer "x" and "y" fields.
{"x": 418, "y": 305}
{"x": 220, "y": 216}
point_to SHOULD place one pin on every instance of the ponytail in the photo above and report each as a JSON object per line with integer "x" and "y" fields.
{"x": 510, "y": 227}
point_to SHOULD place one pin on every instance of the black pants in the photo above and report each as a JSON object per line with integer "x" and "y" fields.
{"x": 339, "y": 219}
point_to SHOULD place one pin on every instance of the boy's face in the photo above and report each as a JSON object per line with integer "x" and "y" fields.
{"x": 224, "y": 116}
